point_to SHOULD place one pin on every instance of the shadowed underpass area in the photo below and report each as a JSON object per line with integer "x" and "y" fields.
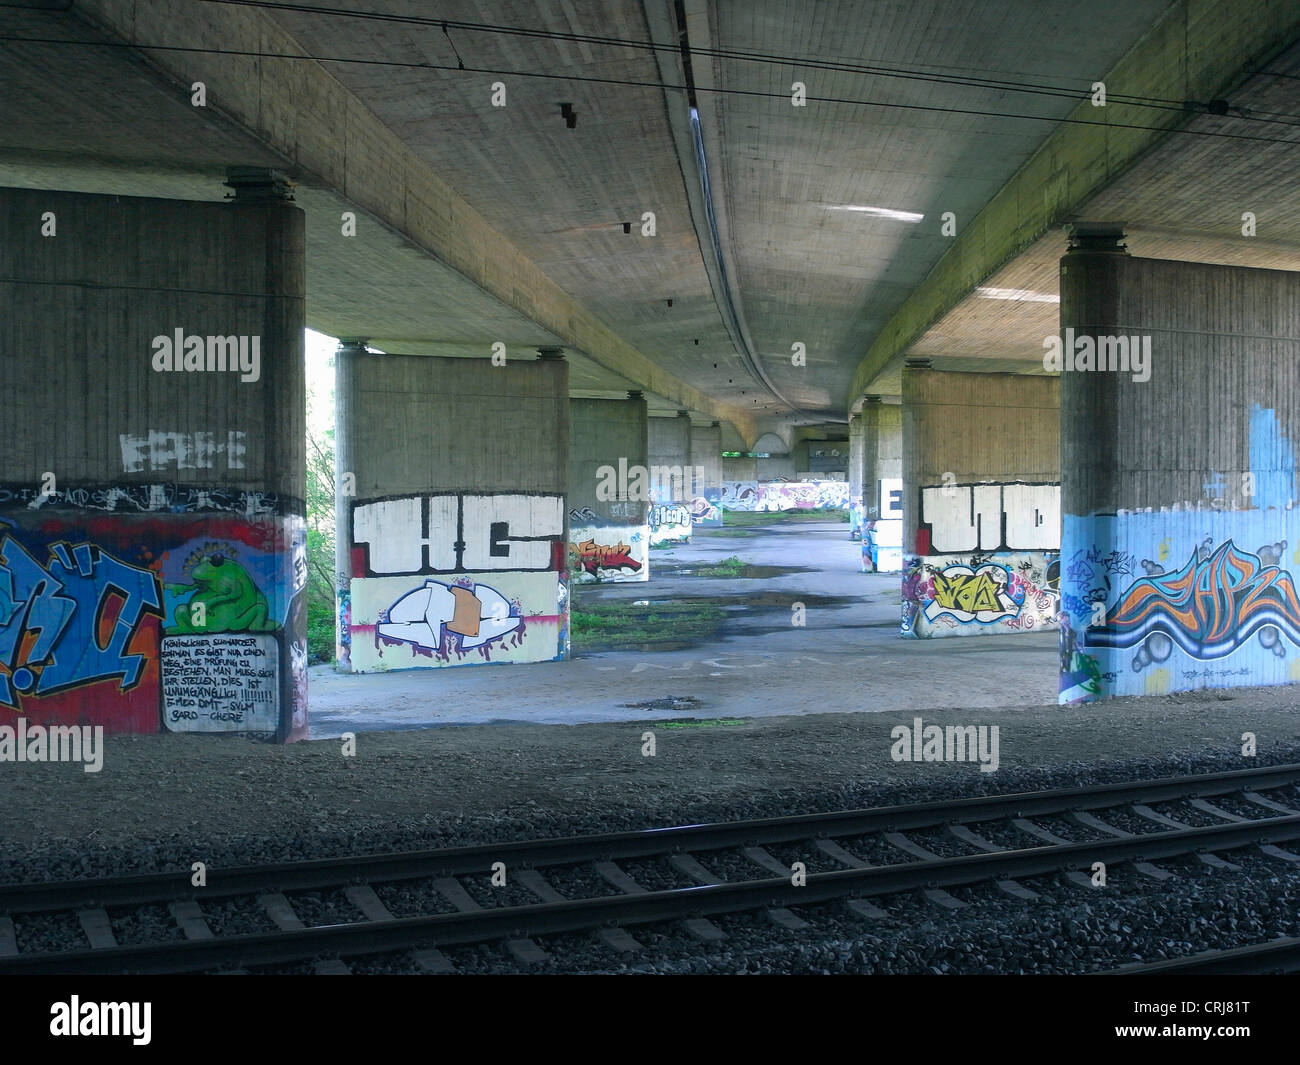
{"x": 847, "y": 656}
{"x": 649, "y": 487}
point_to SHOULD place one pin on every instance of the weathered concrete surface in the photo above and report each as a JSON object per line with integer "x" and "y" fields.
{"x": 959, "y": 428}
{"x": 1197, "y": 51}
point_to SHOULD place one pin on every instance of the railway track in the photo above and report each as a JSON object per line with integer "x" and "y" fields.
{"x": 836, "y": 841}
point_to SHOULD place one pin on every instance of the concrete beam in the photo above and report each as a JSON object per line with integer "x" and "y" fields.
{"x": 329, "y": 138}
{"x": 1197, "y": 51}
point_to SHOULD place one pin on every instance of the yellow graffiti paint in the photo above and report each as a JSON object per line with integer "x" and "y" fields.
{"x": 1163, "y": 553}
{"x": 1157, "y": 682}
{"x": 971, "y": 592}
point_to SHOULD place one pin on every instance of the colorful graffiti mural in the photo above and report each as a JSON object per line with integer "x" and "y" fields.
{"x": 986, "y": 560}
{"x": 118, "y": 620}
{"x": 979, "y": 595}
{"x": 502, "y": 591}
{"x": 705, "y": 509}
{"x": 771, "y": 496}
{"x": 75, "y": 619}
{"x": 445, "y": 619}
{"x": 609, "y": 553}
{"x": 669, "y": 523}
{"x": 1173, "y": 603}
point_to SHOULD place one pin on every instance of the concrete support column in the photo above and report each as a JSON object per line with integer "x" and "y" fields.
{"x": 856, "y": 466}
{"x": 981, "y": 503}
{"x": 455, "y": 532}
{"x": 1180, "y": 416}
{"x": 706, "y": 460}
{"x": 152, "y": 544}
{"x": 609, "y": 531}
{"x": 671, "y": 477}
{"x": 882, "y": 486}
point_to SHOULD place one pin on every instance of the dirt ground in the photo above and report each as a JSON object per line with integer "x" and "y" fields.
{"x": 209, "y": 788}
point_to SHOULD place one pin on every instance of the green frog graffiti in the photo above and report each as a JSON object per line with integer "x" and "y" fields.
{"x": 220, "y": 598}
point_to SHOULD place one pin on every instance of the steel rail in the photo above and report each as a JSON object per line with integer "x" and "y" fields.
{"x": 458, "y": 929}
{"x": 146, "y": 888}
{"x": 1276, "y": 955}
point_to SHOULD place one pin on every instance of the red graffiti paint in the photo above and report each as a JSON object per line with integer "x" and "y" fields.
{"x": 592, "y": 556}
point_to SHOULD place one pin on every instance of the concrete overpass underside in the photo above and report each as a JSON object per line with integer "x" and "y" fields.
{"x": 744, "y": 224}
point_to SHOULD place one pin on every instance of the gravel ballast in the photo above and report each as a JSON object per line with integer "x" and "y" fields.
{"x": 163, "y": 802}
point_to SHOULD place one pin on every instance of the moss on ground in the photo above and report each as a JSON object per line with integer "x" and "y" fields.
{"x": 625, "y": 625}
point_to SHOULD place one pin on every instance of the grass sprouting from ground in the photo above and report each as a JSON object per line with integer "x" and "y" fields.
{"x": 742, "y": 518}
{"x": 727, "y": 567}
{"x": 615, "y": 625}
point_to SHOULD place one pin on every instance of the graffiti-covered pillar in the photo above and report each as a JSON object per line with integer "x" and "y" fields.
{"x": 454, "y": 526}
{"x": 981, "y": 502}
{"x": 706, "y": 461}
{"x": 671, "y": 478}
{"x": 882, "y": 486}
{"x": 1180, "y": 419}
{"x": 855, "y": 475}
{"x": 609, "y": 480}
{"x": 152, "y": 549}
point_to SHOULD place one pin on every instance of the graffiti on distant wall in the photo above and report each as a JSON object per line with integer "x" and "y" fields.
{"x": 882, "y": 534}
{"x": 101, "y": 615}
{"x": 609, "y": 553}
{"x": 986, "y": 561}
{"x": 1179, "y": 602}
{"x": 705, "y": 507}
{"x": 979, "y": 595}
{"x": 669, "y": 523}
{"x": 772, "y": 496}
{"x": 957, "y": 518}
{"x": 501, "y": 595}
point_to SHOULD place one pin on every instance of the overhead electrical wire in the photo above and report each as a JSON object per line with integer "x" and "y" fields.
{"x": 625, "y": 82}
{"x": 838, "y": 65}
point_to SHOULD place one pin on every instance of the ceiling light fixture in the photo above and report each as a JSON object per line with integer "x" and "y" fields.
{"x": 879, "y": 212}
{"x": 1023, "y": 295}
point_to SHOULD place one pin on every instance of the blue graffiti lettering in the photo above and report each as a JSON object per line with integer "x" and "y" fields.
{"x": 51, "y": 618}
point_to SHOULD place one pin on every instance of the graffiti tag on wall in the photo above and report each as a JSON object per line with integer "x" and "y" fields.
{"x": 1138, "y": 622}
{"x": 669, "y": 522}
{"x": 457, "y": 532}
{"x": 979, "y": 595}
{"x": 784, "y": 495}
{"x": 504, "y": 598}
{"x": 989, "y": 517}
{"x": 70, "y": 620}
{"x": 603, "y": 555}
